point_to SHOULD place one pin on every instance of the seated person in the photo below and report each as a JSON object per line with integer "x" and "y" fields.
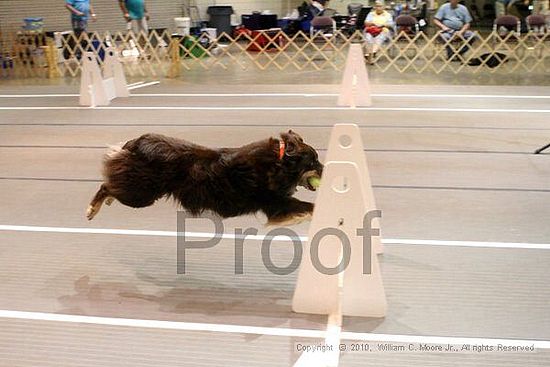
{"x": 453, "y": 19}
{"x": 378, "y": 29}
{"x": 317, "y": 7}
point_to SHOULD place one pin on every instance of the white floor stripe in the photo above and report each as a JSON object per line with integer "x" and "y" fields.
{"x": 386, "y": 241}
{"x": 268, "y": 108}
{"x": 128, "y": 85}
{"x": 159, "y": 324}
{"x": 476, "y": 96}
{"x": 141, "y": 85}
{"x": 37, "y": 95}
{"x": 329, "y": 357}
{"x": 201, "y": 95}
{"x": 385, "y": 95}
{"x": 288, "y": 332}
{"x": 226, "y": 95}
{"x": 518, "y": 245}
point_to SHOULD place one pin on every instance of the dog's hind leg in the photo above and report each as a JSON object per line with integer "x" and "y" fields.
{"x": 100, "y": 196}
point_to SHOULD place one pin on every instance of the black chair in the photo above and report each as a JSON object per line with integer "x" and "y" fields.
{"x": 354, "y": 8}
{"x": 356, "y": 20}
{"x": 365, "y": 10}
{"x": 406, "y": 27}
{"x": 488, "y": 15}
{"x": 537, "y": 33}
{"x": 507, "y": 29}
{"x": 489, "y": 10}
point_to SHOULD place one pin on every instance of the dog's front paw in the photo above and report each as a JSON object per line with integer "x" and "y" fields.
{"x": 91, "y": 212}
{"x": 289, "y": 220}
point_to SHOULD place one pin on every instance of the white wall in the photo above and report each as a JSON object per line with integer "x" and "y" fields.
{"x": 162, "y": 12}
{"x": 57, "y": 17}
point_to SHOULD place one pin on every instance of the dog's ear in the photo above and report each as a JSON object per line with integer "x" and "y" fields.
{"x": 291, "y": 149}
{"x": 291, "y": 143}
{"x": 296, "y": 135}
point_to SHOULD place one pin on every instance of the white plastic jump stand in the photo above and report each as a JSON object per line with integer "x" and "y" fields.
{"x": 92, "y": 96}
{"x": 355, "y": 88}
{"x": 94, "y": 89}
{"x": 346, "y": 145}
{"x": 341, "y": 205}
{"x": 112, "y": 69}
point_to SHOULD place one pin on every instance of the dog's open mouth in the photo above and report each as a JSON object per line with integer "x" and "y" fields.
{"x": 305, "y": 180}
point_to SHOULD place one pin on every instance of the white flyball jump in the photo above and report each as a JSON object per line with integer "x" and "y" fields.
{"x": 98, "y": 89}
{"x": 355, "y": 88}
{"x": 344, "y": 277}
{"x": 355, "y": 153}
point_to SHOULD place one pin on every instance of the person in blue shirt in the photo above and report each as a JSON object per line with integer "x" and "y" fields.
{"x": 81, "y": 11}
{"x": 136, "y": 15}
{"x": 453, "y": 20}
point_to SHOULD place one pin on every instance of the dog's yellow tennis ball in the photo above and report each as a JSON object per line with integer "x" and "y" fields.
{"x": 315, "y": 182}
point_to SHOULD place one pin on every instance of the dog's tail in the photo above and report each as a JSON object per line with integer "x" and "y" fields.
{"x": 113, "y": 152}
{"x": 114, "y": 160}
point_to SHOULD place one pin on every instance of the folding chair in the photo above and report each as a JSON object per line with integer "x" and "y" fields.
{"x": 536, "y": 23}
{"x": 325, "y": 25}
{"x": 407, "y": 24}
{"x": 509, "y": 23}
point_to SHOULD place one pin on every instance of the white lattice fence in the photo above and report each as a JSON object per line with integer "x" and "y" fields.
{"x": 510, "y": 52}
{"x": 163, "y": 54}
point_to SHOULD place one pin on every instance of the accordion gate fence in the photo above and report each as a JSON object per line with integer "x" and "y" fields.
{"x": 162, "y": 54}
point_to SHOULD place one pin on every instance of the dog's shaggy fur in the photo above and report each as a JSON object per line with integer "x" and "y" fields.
{"x": 227, "y": 181}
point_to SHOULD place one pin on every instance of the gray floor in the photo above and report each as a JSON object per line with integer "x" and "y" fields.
{"x": 437, "y": 175}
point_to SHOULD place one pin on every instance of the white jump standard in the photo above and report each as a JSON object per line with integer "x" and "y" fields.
{"x": 97, "y": 89}
{"x": 350, "y": 282}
